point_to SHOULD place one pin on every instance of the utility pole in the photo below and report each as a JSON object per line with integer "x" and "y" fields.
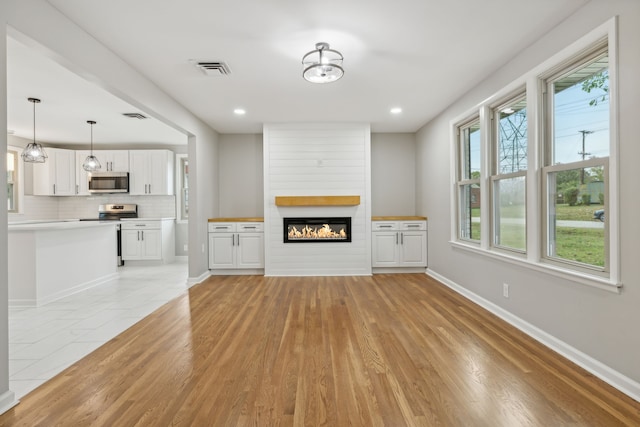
{"x": 583, "y": 153}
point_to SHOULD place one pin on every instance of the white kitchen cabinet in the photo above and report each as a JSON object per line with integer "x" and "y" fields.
{"x": 148, "y": 240}
{"x": 236, "y": 246}
{"x": 399, "y": 244}
{"x": 57, "y": 175}
{"x": 82, "y": 176}
{"x": 113, "y": 160}
{"x": 110, "y": 161}
{"x": 151, "y": 172}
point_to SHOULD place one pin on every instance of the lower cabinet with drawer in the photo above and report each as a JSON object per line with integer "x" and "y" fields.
{"x": 148, "y": 240}
{"x": 399, "y": 245}
{"x": 236, "y": 247}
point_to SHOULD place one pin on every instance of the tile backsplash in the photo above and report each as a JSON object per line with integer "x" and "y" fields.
{"x": 43, "y": 207}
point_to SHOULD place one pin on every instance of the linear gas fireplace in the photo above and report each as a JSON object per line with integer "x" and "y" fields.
{"x": 319, "y": 229}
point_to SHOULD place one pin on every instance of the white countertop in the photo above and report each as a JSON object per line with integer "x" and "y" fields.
{"x": 148, "y": 219}
{"x": 56, "y": 225}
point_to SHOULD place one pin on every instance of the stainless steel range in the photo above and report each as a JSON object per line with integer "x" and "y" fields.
{"x": 116, "y": 212}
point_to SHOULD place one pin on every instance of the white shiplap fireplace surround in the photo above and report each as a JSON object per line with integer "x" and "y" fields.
{"x": 317, "y": 160}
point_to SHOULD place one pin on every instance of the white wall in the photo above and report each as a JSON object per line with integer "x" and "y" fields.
{"x": 600, "y": 324}
{"x": 7, "y": 398}
{"x": 240, "y": 175}
{"x": 317, "y": 160}
{"x": 393, "y": 174}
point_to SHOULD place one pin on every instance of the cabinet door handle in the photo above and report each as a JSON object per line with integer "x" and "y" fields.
{"x": 77, "y": 189}
{"x": 238, "y": 239}
{"x": 249, "y": 228}
{"x": 149, "y": 188}
{"x": 385, "y": 226}
{"x": 138, "y": 235}
{"x": 396, "y": 238}
{"x": 54, "y": 189}
{"x": 142, "y": 234}
{"x": 402, "y": 238}
{"x": 413, "y": 225}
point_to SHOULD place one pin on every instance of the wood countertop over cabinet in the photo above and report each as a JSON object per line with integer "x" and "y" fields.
{"x": 240, "y": 219}
{"x": 398, "y": 218}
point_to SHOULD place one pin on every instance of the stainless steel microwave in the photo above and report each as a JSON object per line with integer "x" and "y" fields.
{"x": 109, "y": 182}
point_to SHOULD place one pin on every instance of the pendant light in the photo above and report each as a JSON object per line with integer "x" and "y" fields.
{"x": 322, "y": 65}
{"x": 33, "y": 152}
{"x": 91, "y": 163}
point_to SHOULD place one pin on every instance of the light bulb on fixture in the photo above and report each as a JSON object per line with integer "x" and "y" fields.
{"x": 322, "y": 65}
{"x": 91, "y": 163}
{"x": 34, "y": 152}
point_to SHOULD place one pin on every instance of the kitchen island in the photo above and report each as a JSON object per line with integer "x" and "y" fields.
{"x": 51, "y": 260}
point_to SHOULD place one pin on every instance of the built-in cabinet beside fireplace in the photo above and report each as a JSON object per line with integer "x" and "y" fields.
{"x": 399, "y": 244}
{"x": 236, "y": 246}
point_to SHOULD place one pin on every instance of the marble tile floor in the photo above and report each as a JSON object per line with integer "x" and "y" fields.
{"x": 43, "y": 341}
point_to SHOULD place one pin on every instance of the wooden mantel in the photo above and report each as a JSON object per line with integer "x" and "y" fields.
{"x": 317, "y": 200}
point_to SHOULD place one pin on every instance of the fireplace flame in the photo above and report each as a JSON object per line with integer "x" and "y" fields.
{"x": 324, "y": 232}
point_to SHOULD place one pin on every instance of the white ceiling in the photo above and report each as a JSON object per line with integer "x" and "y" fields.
{"x": 420, "y": 55}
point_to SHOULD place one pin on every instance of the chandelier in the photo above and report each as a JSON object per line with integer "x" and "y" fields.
{"x": 33, "y": 152}
{"x": 322, "y": 65}
{"x": 91, "y": 163}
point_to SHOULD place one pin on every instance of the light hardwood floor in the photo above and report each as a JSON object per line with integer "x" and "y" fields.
{"x": 390, "y": 350}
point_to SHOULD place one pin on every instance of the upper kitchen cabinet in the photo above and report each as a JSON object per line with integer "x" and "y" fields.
{"x": 56, "y": 176}
{"x": 110, "y": 161}
{"x": 82, "y": 176}
{"x": 151, "y": 172}
{"x": 113, "y": 160}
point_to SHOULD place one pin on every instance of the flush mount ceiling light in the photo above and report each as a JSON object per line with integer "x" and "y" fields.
{"x": 91, "y": 163}
{"x": 322, "y": 65}
{"x": 33, "y": 152}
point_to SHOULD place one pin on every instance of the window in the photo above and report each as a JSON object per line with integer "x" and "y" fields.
{"x": 12, "y": 180}
{"x": 508, "y": 182}
{"x": 469, "y": 181}
{"x": 182, "y": 172}
{"x": 576, "y": 157}
{"x": 546, "y": 167}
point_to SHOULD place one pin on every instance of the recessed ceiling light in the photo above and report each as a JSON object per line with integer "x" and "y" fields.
{"x": 396, "y": 110}
{"x": 239, "y": 111}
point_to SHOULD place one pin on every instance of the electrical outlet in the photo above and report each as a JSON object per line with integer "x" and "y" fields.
{"x": 505, "y": 290}
{"x": 186, "y": 248}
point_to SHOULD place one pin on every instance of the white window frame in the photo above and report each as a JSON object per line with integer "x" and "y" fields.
{"x": 179, "y": 189}
{"x": 497, "y": 176}
{"x": 19, "y": 203}
{"x": 463, "y": 181}
{"x": 536, "y": 203}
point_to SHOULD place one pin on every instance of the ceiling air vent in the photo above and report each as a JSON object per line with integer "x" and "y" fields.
{"x": 212, "y": 68}
{"x": 135, "y": 116}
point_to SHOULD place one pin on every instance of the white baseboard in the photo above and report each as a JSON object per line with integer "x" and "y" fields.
{"x": 191, "y": 281}
{"x": 38, "y": 302}
{"x": 7, "y": 401}
{"x": 607, "y": 374}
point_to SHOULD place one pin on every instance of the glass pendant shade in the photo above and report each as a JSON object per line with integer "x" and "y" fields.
{"x": 91, "y": 163}
{"x": 322, "y": 65}
{"x": 34, "y": 152}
